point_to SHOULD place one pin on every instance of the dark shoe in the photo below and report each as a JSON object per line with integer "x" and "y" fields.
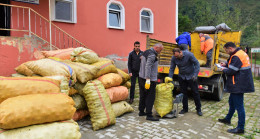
{"x": 142, "y": 114}
{"x": 151, "y": 118}
{"x": 131, "y": 101}
{"x": 182, "y": 112}
{"x": 236, "y": 131}
{"x": 224, "y": 121}
{"x": 199, "y": 113}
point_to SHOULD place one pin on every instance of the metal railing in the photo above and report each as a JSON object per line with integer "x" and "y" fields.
{"x": 26, "y": 21}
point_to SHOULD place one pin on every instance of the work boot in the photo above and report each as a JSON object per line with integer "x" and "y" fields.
{"x": 199, "y": 113}
{"x": 236, "y": 131}
{"x": 183, "y": 111}
{"x": 224, "y": 121}
{"x": 151, "y": 118}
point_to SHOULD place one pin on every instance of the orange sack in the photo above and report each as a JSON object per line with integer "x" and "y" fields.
{"x": 117, "y": 93}
{"x": 110, "y": 80}
{"x": 63, "y": 54}
{"x": 79, "y": 114}
{"x": 33, "y": 109}
{"x": 16, "y": 86}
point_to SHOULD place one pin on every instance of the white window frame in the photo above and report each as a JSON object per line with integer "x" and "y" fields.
{"x": 151, "y": 20}
{"x": 122, "y": 15}
{"x": 74, "y": 11}
{"x": 29, "y": 1}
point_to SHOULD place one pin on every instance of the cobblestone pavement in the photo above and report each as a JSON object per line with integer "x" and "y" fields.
{"x": 189, "y": 125}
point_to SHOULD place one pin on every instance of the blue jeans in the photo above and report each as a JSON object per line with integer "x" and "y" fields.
{"x": 236, "y": 102}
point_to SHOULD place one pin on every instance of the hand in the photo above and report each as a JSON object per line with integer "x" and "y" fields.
{"x": 201, "y": 52}
{"x": 130, "y": 74}
{"x": 147, "y": 84}
{"x": 223, "y": 64}
{"x": 194, "y": 78}
{"x": 167, "y": 79}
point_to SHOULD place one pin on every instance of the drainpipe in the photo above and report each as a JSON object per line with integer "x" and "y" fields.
{"x": 177, "y": 11}
{"x": 50, "y": 23}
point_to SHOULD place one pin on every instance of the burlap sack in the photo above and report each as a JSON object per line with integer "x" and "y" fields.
{"x": 99, "y": 105}
{"x": 127, "y": 84}
{"x": 163, "y": 98}
{"x": 73, "y": 91}
{"x": 50, "y": 67}
{"x": 33, "y": 109}
{"x": 121, "y": 107}
{"x": 23, "y": 69}
{"x": 84, "y": 55}
{"x": 57, "y": 130}
{"x": 105, "y": 67}
{"x": 16, "y": 86}
{"x": 202, "y": 62}
{"x": 118, "y": 93}
{"x": 110, "y": 80}
{"x": 79, "y": 87}
{"x": 84, "y": 72}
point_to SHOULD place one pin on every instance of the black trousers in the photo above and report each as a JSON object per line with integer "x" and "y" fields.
{"x": 135, "y": 75}
{"x": 184, "y": 84}
{"x": 147, "y": 97}
{"x": 209, "y": 58}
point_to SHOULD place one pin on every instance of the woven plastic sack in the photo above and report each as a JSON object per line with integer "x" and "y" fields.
{"x": 104, "y": 59}
{"x": 23, "y": 69}
{"x": 61, "y": 53}
{"x": 121, "y": 108}
{"x": 64, "y": 83}
{"x": 223, "y": 27}
{"x": 127, "y": 84}
{"x": 99, "y": 105}
{"x": 163, "y": 98}
{"x": 202, "y": 62}
{"x": 57, "y": 130}
{"x": 124, "y": 75}
{"x": 80, "y": 114}
{"x": 84, "y": 55}
{"x": 18, "y": 75}
{"x": 80, "y": 102}
{"x": 105, "y": 67}
{"x": 33, "y": 109}
{"x": 205, "y": 29}
{"x": 50, "y": 67}
{"x": 79, "y": 87}
{"x": 110, "y": 80}
{"x": 16, "y": 86}
{"x": 118, "y": 93}
{"x": 84, "y": 72}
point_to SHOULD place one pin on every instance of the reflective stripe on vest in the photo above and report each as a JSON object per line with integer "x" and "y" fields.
{"x": 243, "y": 58}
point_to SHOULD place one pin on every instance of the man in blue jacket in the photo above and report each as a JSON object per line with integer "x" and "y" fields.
{"x": 184, "y": 40}
{"x": 239, "y": 81}
{"x": 188, "y": 73}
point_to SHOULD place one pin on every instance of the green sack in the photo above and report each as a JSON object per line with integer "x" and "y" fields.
{"x": 163, "y": 98}
{"x": 57, "y": 130}
{"x": 99, "y": 105}
{"x": 80, "y": 102}
{"x": 121, "y": 107}
{"x": 84, "y": 55}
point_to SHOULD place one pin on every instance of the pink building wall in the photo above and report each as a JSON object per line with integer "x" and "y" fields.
{"x": 91, "y": 27}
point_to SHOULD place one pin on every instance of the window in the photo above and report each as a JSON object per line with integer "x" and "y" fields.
{"x": 115, "y": 15}
{"x": 146, "y": 20}
{"x": 64, "y": 11}
{"x": 29, "y": 1}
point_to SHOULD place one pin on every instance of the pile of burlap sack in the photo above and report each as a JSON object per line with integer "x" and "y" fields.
{"x": 95, "y": 85}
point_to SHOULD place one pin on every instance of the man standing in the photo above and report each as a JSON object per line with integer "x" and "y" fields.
{"x": 206, "y": 46}
{"x": 188, "y": 73}
{"x": 148, "y": 77}
{"x": 133, "y": 68}
{"x": 239, "y": 81}
{"x": 184, "y": 40}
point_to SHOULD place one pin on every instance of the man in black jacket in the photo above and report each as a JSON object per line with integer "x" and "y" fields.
{"x": 134, "y": 67}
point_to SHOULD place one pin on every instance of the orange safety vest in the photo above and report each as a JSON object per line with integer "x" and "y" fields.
{"x": 244, "y": 59}
{"x": 206, "y": 43}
